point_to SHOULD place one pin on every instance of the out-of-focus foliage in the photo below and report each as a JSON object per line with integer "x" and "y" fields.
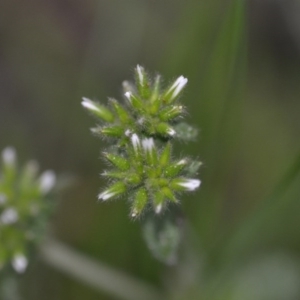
{"x": 24, "y": 209}
{"x": 242, "y": 60}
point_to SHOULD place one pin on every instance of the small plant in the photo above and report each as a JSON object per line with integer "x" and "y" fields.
{"x": 141, "y": 132}
{"x": 24, "y": 210}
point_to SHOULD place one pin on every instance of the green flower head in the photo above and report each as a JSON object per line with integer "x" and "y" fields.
{"x": 141, "y": 131}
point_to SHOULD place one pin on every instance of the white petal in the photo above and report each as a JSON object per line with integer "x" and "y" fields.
{"x": 181, "y": 84}
{"x": 9, "y": 155}
{"x": 9, "y": 216}
{"x": 158, "y": 208}
{"x": 47, "y": 181}
{"x": 89, "y": 104}
{"x": 134, "y": 214}
{"x": 140, "y": 74}
{"x": 148, "y": 144}
{"x": 171, "y": 132}
{"x": 106, "y": 195}
{"x": 177, "y": 86}
{"x": 20, "y": 263}
{"x": 182, "y": 162}
{"x": 127, "y": 132}
{"x": 190, "y": 184}
{"x": 128, "y": 95}
{"x": 135, "y": 141}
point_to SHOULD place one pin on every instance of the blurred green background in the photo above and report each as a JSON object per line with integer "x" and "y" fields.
{"x": 242, "y": 60}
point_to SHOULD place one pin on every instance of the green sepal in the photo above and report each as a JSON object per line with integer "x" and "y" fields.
{"x": 121, "y": 112}
{"x": 174, "y": 169}
{"x": 118, "y": 161}
{"x": 142, "y": 81}
{"x": 134, "y": 101}
{"x": 158, "y": 201}
{"x": 139, "y": 202}
{"x": 114, "y": 190}
{"x": 165, "y": 129}
{"x": 133, "y": 179}
{"x": 98, "y": 110}
{"x": 165, "y": 155}
{"x": 112, "y": 131}
{"x": 170, "y": 112}
{"x": 168, "y": 194}
{"x": 155, "y": 96}
{"x": 115, "y": 174}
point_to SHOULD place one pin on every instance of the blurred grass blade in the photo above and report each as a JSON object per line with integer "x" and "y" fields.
{"x": 95, "y": 274}
{"x": 221, "y": 101}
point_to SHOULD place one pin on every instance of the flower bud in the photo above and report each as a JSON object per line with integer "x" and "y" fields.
{"x": 165, "y": 129}
{"x": 150, "y": 151}
{"x": 135, "y": 102}
{"x": 155, "y": 96}
{"x": 173, "y": 169}
{"x": 173, "y": 91}
{"x": 115, "y": 174}
{"x": 158, "y": 201}
{"x": 112, "y": 131}
{"x": 118, "y": 161}
{"x": 139, "y": 202}
{"x": 170, "y": 112}
{"x": 185, "y": 184}
{"x": 142, "y": 81}
{"x": 116, "y": 189}
{"x": 98, "y": 110}
{"x": 168, "y": 194}
{"x": 165, "y": 156}
{"x": 135, "y": 140}
{"x": 133, "y": 179}
{"x": 121, "y": 112}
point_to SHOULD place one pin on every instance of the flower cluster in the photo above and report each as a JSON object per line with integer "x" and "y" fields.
{"x": 143, "y": 129}
{"x": 24, "y": 209}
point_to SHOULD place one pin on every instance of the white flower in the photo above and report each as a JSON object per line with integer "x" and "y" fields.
{"x": 190, "y": 184}
{"x": 177, "y": 87}
{"x": 9, "y": 155}
{"x": 9, "y": 216}
{"x": 19, "y": 263}
{"x": 47, "y": 181}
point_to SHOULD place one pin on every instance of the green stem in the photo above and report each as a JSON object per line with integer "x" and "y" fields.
{"x": 95, "y": 274}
